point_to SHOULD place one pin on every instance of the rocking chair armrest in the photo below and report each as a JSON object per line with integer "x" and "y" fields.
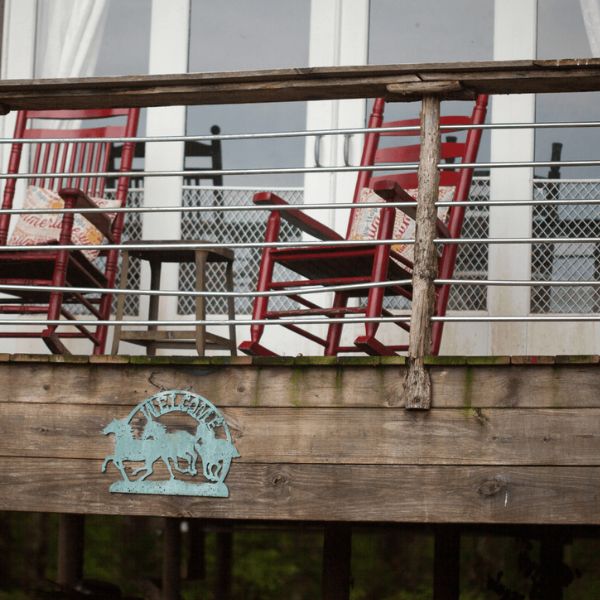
{"x": 297, "y": 217}
{"x": 82, "y": 200}
{"x": 390, "y": 191}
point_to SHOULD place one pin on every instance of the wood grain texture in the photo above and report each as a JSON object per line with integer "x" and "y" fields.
{"x": 417, "y": 384}
{"x": 534, "y": 495}
{"x": 299, "y": 84}
{"x": 344, "y": 436}
{"x": 461, "y": 386}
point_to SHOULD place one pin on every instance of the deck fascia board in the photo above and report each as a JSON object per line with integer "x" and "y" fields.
{"x": 508, "y": 440}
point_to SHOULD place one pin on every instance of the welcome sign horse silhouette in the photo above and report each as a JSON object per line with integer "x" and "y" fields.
{"x": 195, "y": 461}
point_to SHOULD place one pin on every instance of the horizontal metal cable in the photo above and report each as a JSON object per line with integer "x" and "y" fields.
{"x": 304, "y": 133}
{"x": 498, "y": 203}
{"x": 301, "y": 207}
{"x": 5, "y": 287}
{"x": 517, "y": 319}
{"x": 298, "y": 244}
{"x": 543, "y": 181}
{"x": 208, "y": 322}
{"x": 517, "y": 282}
{"x": 303, "y": 321}
{"x": 232, "y": 208}
{"x": 175, "y": 245}
{"x": 588, "y": 240}
{"x": 301, "y": 170}
{"x": 249, "y": 188}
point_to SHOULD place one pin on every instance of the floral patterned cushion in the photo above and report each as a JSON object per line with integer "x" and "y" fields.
{"x": 34, "y": 229}
{"x": 366, "y": 220}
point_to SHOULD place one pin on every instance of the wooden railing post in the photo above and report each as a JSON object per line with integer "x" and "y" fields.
{"x": 171, "y": 564}
{"x": 446, "y": 563}
{"x": 337, "y": 555}
{"x": 224, "y": 556}
{"x": 417, "y": 385}
{"x": 70, "y": 548}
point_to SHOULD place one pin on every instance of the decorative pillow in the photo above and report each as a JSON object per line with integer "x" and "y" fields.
{"x": 34, "y": 229}
{"x": 366, "y": 220}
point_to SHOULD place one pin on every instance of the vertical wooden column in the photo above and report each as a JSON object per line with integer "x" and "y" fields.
{"x": 196, "y": 564}
{"x": 446, "y": 563}
{"x": 171, "y": 578}
{"x": 417, "y": 385}
{"x": 224, "y": 551}
{"x": 551, "y": 565}
{"x": 70, "y": 548}
{"x": 337, "y": 554}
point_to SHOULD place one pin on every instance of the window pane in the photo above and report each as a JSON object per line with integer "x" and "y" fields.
{"x": 419, "y": 31}
{"x": 235, "y": 35}
{"x": 126, "y": 40}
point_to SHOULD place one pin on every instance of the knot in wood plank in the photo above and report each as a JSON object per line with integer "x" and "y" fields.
{"x": 492, "y": 487}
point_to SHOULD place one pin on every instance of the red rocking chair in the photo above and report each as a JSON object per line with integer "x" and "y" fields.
{"x": 373, "y": 263}
{"x": 64, "y": 268}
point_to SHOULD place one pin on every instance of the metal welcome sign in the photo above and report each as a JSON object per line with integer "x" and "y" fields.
{"x": 182, "y": 431}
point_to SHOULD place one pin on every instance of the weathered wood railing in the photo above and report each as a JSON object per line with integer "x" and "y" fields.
{"x": 404, "y": 83}
{"x": 429, "y": 82}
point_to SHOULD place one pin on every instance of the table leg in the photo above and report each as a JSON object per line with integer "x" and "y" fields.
{"x": 230, "y": 307}
{"x": 120, "y": 303}
{"x": 201, "y": 256}
{"x": 155, "y": 270}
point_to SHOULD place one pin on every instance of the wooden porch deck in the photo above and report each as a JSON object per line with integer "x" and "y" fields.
{"x": 507, "y": 441}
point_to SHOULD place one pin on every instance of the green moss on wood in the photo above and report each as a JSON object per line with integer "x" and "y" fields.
{"x": 445, "y": 360}
{"x": 296, "y": 386}
{"x": 315, "y": 361}
{"x": 488, "y": 360}
{"x": 577, "y": 359}
{"x": 273, "y": 361}
{"x": 150, "y": 360}
{"x": 468, "y": 390}
{"x": 360, "y": 361}
{"x": 393, "y": 360}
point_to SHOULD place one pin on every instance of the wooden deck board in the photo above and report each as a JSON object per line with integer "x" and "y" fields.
{"x": 342, "y": 436}
{"x": 367, "y": 493}
{"x": 337, "y": 385}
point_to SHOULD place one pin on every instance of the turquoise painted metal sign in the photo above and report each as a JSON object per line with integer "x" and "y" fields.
{"x": 179, "y": 444}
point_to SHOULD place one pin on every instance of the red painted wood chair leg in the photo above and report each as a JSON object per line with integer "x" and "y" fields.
{"x": 334, "y": 331}
{"x": 261, "y": 303}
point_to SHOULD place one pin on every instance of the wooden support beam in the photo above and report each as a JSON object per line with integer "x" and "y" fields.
{"x": 417, "y": 385}
{"x": 446, "y": 563}
{"x": 70, "y": 548}
{"x": 171, "y": 564}
{"x": 196, "y": 564}
{"x": 6, "y": 547}
{"x": 337, "y": 554}
{"x": 224, "y": 555}
{"x": 551, "y": 565}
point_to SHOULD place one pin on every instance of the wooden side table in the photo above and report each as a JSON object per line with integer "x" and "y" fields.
{"x": 198, "y": 338}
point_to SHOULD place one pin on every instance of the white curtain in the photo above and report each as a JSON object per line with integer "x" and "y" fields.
{"x": 69, "y": 34}
{"x": 590, "y": 10}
